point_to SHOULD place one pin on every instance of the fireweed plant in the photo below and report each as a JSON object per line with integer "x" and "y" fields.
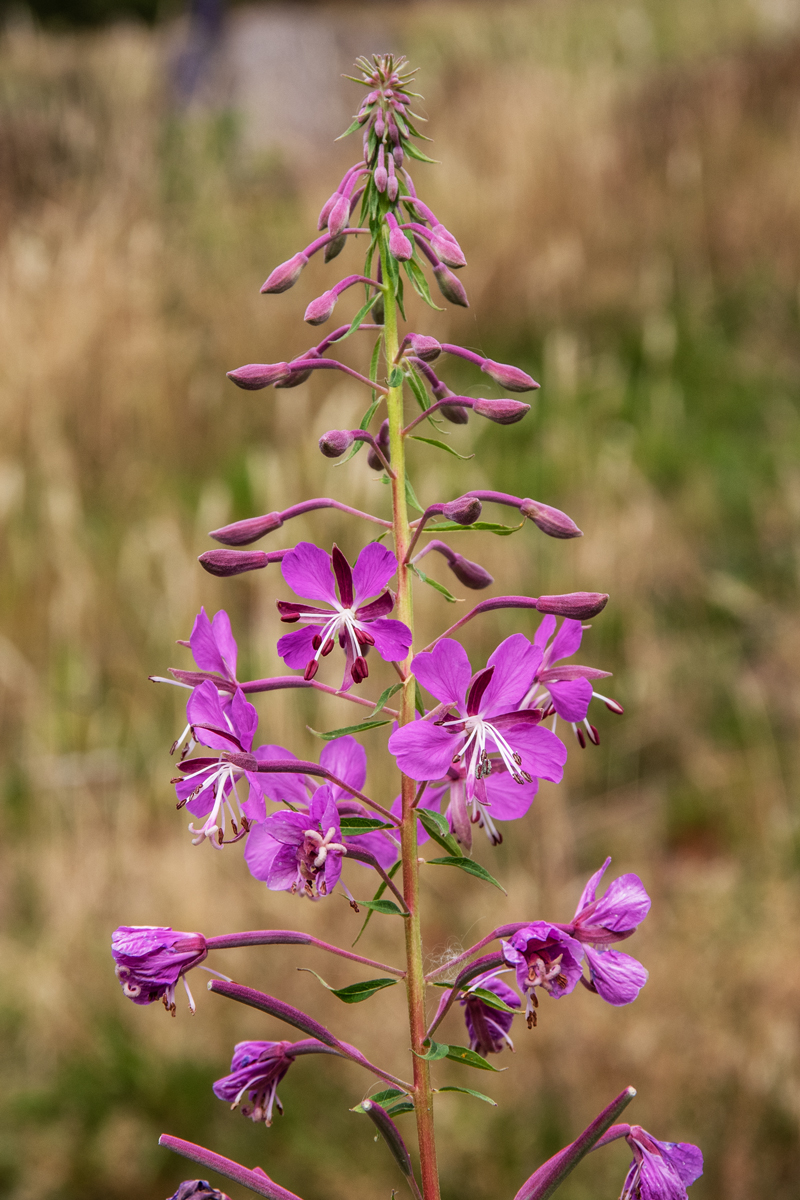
{"x": 471, "y": 740}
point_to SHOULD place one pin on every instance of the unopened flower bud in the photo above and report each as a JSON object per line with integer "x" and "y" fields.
{"x": 426, "y": 348}
{"x": 399, "y": 245}
{"x": 455, "y": 413}
{"x": 286, "y": 275}
{"x": 325, "y": 211}
{"x": 382, "y": 441}
{"x": 377, "y": 310}
{"x": 335, "y": 248}
{"x": 397, "y": 155}
{"x": 502, "y": 412}
{"x": 578, "y": 606}
{"x": 380, "y": 174}
{"x": 550, "y": 520}
{"x": 337, "y": 219}
{"x": 508, "y": 376}
{"x": 232, "y": 562}
{"x": 471, "y": 574}
{"x": 319, "y": 310}
{"x": 464, "y": 511}
{"x": 259, "y": 375}
{"x": 392, "y": 186}
{"x": 447, "y": 248}
{"x": 334, "y": 443}
{"x": 198, "y": 1189}
{"x": 294, "y": 378}
{"x": 241, "y": 533}
{"x": 450, "y": 287}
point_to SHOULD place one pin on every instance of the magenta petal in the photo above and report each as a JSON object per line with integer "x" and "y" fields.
{"x": 590, "y": 891}
{"x": 297, "y": 647}
{"x": 544, "y": 632}
{"x": 307, "y": 570}
{"x": 374, "y": 567}
{"x": 260, "y": 852}
{"x": 422, "y": 750}
{"x": 376, "y": 608}
{"x": 323, "y": 812}
{"x": 280, "y": 787}
{"x": 543, "y": 754}
{"x": 204, "y": 647}
{"x": 376, "y": 844}
{"x": 392, "y": 638}
{"x": 205, "y": 708}
{"x": 282, "y": 872}
{"x": 515, "y": 662}
{"x": 203, "y": 802}
{"x": 566, "y": 641}
{"x": 617, "y": 977}
{"x": 571, "y": 700}
{"x": 508, "y": 801}
{"x": 347, "y": 760}
{"x": 444, "y": 671}
{"x": 254, "y": 807}
{"x": 685, "y": 1158}
{"x": 623, "y": 906}
{"x": 244, "y": 718}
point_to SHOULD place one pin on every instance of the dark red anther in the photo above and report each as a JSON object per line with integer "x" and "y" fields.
{"x": 364, "y": 638}
{"x": 312, "y": 666}
{"x": 316, "y": 641}
{"x": 326, "y": 649}
{"x": 594, "y": 735}
{"x": 581, "y": 738}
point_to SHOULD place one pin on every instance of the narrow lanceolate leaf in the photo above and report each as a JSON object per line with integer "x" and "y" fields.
{"x": 414, "y": 152}
{"x": 354, "y": 993}
{"x": 478, "y": 526}
{"x": 276, "y": 1008}
{"x": 381, "y": 889}
{"x": 350, "y": 128}
{"x": 385, "y": 697}
{"x": 257, "y": 1180}
{"x": 542, "y": 1184}
{"x": 385, "y": 1097}
{"x": 492, "y": 1001}
{"x": 387, "y": 908}
{"x": 435, "y": 825}
{"x": 419, "y": 282}
{"x": 412, "y": 499}
{"x": 359, "y": 317}
{"x": 396, "y": 377}
{"x": 417, "y": 387}
{"x": 439, "y": 587}
{"x": 469, "y": 1092}
{"x": 435, "y": 1051}
{"x": 352, "y": 826}
{"x": 469, "y": 1058}
{"x": 332, "y": 734}
{"x": 471, "y": 867}
{"x": 441, "y": 446}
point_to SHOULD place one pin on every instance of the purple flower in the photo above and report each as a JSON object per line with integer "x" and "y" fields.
{"x": 151, "y": 959}
{"x": 347, "y": 760}
{"x": 299, "y": 852}
{"x": 213, "y": 645}
{"x": 660, "y": 1170}
{"x": 208, "y": 787}
{"x": 617, "y": 977}
{"x": 488, "y": 1027}
{"x": 198, "y": 1189}
{"x": 357, "y": 616}
{"x": 479, "y": 727}
{"x": 257, "y": 1068}
{"x": 545, "y": 957}
{"x": 566, "y": 691}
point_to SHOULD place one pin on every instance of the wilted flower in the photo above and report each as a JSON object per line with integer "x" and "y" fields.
{"x": 545, "y": 957}
{"x": 660, "y": 1170}
{"x": 357, "y": 616}
{"x": 256, "y": 1069}
{"x": 488, "y": 1027}
{"x": 151, "y": 959}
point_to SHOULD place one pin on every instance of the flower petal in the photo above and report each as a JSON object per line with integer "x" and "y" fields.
{"x": 286, "y": 827}
{"x": 590, "y": 891}
{"x": 297, "y": 647}
{"x": 623, "y": 906}
{"x": 544, "y": 632}
{"x": 444, "y": 671}
{"x": 571, "y": 700}
{"x": 203, "y": 644}
{"x": 618, "y": 977}
{"x": 543, "y": 754}
{"x": 307, "y": 570}
{"x": 374, "y": 567}
{"x": 347, "y": 760}
{"x": 515, "y": 662}
{"x": 566, "y": 641}
{"x": 280, "y": 787}
{"x": 260, "y": 852}
{"x": 508, "y": 801}
{"x": 686, "y": 1159}
{"x": 377, "y": 844}
{"x": 422, "y": 750}
{"x": 392, "y": 638}
{"x": 244, "y": 718}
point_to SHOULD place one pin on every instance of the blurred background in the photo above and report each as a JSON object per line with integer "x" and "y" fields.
{"x": 623, "y": 176}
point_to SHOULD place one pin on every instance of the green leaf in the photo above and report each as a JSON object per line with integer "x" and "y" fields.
{"x": 469, "y": 1092}
{"x": 436, "y": 826}
{"x": 396, "y": 377}
{"x": 438, "y": 586}
{"x": 441, "y": 446}
{"x": 403, "y": 1107}
{"x": 352, "y": 826}
{"x": 489, "y": 998}
{"x": 468, "y": 1058}
{"x": 419, "y": 282}
{"x": 479, "y": 526}
{"x": 387, "y": 908}
{"x": 383, "y": 1098}
{"x": 400, "y": 303}
{"x": 471, "y": 867}
{"x": 390, "y": 691}
{"x": 332, "y": 734}
{"x": 417, "y": 387}
{"x": 354, "y": 993}
{"x": 419, "y": 703}
{"x": 435, "y": 1051}
{"x": 414, "y": 152}
{"x": 351, "y": 128}
{"x": 381, "y": 889}
{"x": 412, "y": 500}
{"x": 359, "y": 317}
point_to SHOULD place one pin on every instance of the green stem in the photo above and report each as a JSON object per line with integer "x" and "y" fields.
{"x": 415, "y": 973}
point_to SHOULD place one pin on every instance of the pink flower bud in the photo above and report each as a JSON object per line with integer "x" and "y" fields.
{"x": 337, "y": 218}
{"x": 241, "y": 533}
{"x": 295, "y": 378}
{"x": 550, "y": 520}
{"x": 232, "y": 562}
{"x": 502, "y": 412}
{"x": 464, "y": 511}
{"x": 399, "y": 245}
{"x": 454, "y": 413}
{"x": 397, "y": 155}
{"x": 380, "y": 174}
{"x": 320, "y": 309}
{"x": 471, "y": 574}
{"x": 450, "y": 287}
{"x": 392, "y": 186}
{"x": 424, "y": 347}
{"x": 334, "y": 248}
{"x": 382, "y": 441}
{"x": 334, "y": 443}
{"x": 326, "y": 209}
{"x": 578, "y": 606}
{"x": 286, "y": 275}
{"x": 510, "y": 377}
{"x": 259, "y": 375}
{"x": 447, "y": 248}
